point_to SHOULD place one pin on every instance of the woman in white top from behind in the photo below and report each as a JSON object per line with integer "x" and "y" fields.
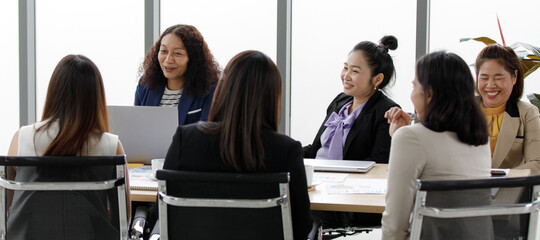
{"x": 74, "y": 123}
{"x": 450, "y": 142}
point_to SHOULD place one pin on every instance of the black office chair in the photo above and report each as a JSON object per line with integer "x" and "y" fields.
{"x": 209, "y": 205}
{"x": 85, "y": 197}
{"x": 496, "y": 208}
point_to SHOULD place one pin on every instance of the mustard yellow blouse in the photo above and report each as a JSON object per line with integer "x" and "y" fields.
{"x": 494, "y": 118}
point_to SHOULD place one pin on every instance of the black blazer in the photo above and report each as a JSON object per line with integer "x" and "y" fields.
{"x": 368, "y": 138}
{"x": 200, "y": 152}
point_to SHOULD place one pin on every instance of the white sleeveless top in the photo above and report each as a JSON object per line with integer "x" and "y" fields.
{"x": 106, "y": 145}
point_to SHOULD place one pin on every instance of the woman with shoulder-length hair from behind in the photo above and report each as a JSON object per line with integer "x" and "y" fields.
{"x": 514, "y": 125}
{"x": 179, "y": 71}
{"x": 74, "y": 123}
{"x": 450, "y": 142}
{"x": 241, "y": 134}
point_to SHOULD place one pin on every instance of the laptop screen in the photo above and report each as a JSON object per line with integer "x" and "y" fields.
{"x": 145, "y": 132}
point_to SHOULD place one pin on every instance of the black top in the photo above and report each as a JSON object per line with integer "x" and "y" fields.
{"x": 201, "y": 152}
{"x": 368, "y": 138}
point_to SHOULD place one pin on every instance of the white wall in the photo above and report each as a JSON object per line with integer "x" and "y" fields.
{"x": 9, "y": 67}
{"x": 478, "y": 18}
{"x": 228, "y": 27}
{"x": 324, "y": 32}
{"x": 110, "y": 33}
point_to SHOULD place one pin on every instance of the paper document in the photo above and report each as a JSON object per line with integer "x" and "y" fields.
{"x": 329, "y": 177}
{"x": 351, "y": 186}
{"x": 140, "y": 179}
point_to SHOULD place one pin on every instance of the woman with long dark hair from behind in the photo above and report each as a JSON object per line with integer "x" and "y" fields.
{"x": 74, "y": 123}
{"x": 241, "y": 134}
{"x": 450, "y": 142}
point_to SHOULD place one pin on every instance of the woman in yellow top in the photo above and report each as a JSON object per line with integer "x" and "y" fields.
{"x": 513, "y": 125}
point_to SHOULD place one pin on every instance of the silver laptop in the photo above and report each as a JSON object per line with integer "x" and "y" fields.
{"x": 145, "y": 132}
{"x": 339, "y": 165}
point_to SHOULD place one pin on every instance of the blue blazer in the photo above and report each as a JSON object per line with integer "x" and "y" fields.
{"x": 191, "y": 108}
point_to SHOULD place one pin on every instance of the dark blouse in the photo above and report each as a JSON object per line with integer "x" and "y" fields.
{"x": 281, "y": 154}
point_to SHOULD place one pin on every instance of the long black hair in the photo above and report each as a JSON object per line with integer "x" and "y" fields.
{"x": 76, "y": 100}
{"x": 246, "y": 99}
{"x": 448, "y": 79}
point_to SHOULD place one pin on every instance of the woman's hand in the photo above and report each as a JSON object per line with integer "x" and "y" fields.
{"x": 396, "y": 118}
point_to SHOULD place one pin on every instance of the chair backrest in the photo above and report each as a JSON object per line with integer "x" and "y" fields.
{"x": 210, "y": 205}
{"x": 67, "y": 196}
{"x": 502, "y": 208}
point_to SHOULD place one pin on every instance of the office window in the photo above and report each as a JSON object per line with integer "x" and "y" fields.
{"x": 452, "y": 20}
{"x": 323, "y": 33}
{"x": 110, "y": 33}
{"x": 228, "y": 27}
{"x": 9, "y": 67}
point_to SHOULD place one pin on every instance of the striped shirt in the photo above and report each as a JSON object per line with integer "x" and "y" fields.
{"x": 170, "y": 98}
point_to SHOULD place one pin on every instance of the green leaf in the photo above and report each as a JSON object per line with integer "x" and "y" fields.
{"x": 529, "y": 65}
{"x": 535, "y": 99}
{"x": 533, "y": 49}
{"x": 485, "y": 40}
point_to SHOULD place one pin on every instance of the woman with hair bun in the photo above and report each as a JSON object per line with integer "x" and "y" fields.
{"x": 357, "y": 114}
{"x": 355, "y": 127}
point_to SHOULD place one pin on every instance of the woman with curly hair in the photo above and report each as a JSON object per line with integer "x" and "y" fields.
{"x": 179, "y": 71}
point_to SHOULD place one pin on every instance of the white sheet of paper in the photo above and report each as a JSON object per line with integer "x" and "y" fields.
{"x": 329, "y": 177}
{"x": 352, "y": 186}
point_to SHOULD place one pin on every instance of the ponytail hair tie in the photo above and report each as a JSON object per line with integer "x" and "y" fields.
{"x": 383, "y": 47}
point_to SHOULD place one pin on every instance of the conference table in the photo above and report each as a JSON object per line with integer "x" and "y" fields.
{"x": 321, "y": 199}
